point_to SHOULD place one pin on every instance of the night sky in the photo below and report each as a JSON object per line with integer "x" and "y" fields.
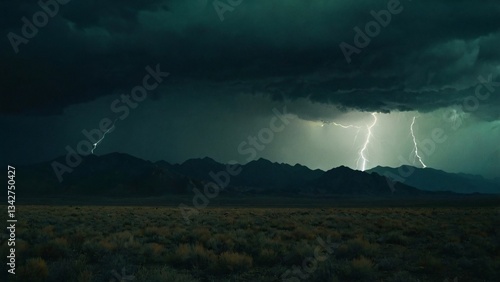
{"x": 231, "y": 68}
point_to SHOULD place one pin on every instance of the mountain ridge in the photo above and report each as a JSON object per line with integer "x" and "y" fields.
{"x": 119, "y": 174}
{"x": 430, "y": 179}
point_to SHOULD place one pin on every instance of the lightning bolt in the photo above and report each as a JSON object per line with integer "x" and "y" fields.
{"x": 345, "y": 127}
{"x": 102, "y": 138}
{"x": 349, "y": 126}
{"x": 362, "y": 156}
{"x": 415, "y": 144}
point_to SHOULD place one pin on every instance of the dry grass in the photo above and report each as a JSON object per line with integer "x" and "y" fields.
{"x": 362, "y": 268}
{"x": 256, "y": 244}
{"x": 34, "y": 270}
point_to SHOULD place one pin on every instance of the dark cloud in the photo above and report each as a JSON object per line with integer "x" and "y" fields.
{"x": 428, "y": 57}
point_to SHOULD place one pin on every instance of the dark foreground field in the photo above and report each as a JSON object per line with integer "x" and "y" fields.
{"x": 96, "y": 243}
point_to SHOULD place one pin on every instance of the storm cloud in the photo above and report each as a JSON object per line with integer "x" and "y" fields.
{"x": 429, "y": 56}
{"x": 230, "y": 66}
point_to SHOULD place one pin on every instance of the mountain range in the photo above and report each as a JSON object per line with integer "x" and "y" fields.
{"x": 429, "y": 179}
{"x": 123, "y": 175}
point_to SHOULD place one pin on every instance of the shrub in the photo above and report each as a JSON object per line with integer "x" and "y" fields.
{"x": 357, "y": 247}
{"x": 221, "y": 243}
{"x": 48, "y": 230}
{"x": 67, "y": 269}
{"x": 76, "y": 239}
{"x": 296, "y": 255}
{"x": 162, "y": 274}
{"x": 361, "y": 268}
{"x": 453, "y": 249}
{"x": 106, "y": 244}
{"x": 327, "y": 271}
{"x": 153, "y": 252}
{"x": 302, "y": 233}
{"x": 85, "y": 276}
{"x": 94, "y": 251}
{"x": 34, "y": 270}
{"x": 181, "y": 254}
{"x": 431, "y": 264}
{"x": 266, "y": 257}
{"x": 53, "y": 250}
{"x": 396, "y": 238}
{"x": 230, "y": 262}
{"x": 62, "y": 270}
{"x": 202, "y": 234}
{"x": 389, "y": 264}
{"x": 189, "y": 255}
{"x": 125, "y": 240}
{"x": 403, "y": 276}
{"x": 201, "y": 257}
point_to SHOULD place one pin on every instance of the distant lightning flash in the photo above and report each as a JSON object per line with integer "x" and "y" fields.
{"x": 102, "y": 138}
{"x": 349, "y": 126}
{"x": 345, "y": 127}
{"x": 362, "y": 156}
{"x": 415, "y": 143}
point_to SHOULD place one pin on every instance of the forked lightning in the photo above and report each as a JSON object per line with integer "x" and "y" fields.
{"x": 415, "y": 149}
{"x": 102, "y": 138}
{"x": 362, "y": 156}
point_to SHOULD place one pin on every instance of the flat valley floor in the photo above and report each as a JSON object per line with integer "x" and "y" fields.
{"x": 139, "y": 243}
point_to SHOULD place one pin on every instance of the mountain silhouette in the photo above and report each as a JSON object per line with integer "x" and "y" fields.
{"x": 430, "y": 179}
{"x": 122, "y": 175}
{"x": 345, "y": 181}
{"x": 114, "y": 174}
